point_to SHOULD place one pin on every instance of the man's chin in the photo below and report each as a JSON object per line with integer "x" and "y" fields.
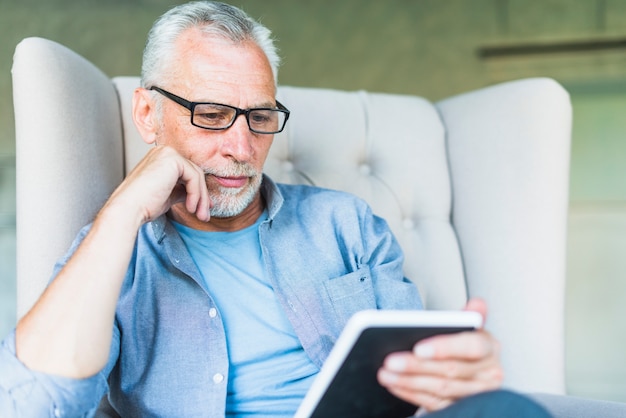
{"x": 229, "y": 202}
{"x": 228, "y": 206}
{"x": 225, "y": 213}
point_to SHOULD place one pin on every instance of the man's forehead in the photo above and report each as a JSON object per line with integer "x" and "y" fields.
{"x": 221, "y": 57}
{"x": 209, "y": 68}
{"x": 194, "y": 41}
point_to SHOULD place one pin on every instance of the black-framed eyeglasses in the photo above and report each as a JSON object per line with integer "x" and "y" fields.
{"x": 217, "y": 116}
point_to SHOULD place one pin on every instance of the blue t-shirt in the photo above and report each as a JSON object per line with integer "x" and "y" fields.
{"x": 269, "y": 372}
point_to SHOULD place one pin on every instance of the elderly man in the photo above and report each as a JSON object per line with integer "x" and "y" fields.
{"x": 202, "y": 287}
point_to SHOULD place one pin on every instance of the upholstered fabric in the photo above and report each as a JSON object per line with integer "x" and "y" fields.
{"x": 508, "y": 148}
{"x": 68, "y": 154}
{"x": 474, "y": 187}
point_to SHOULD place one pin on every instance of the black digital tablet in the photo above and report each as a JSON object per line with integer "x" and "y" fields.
{"x": 347, "y": 387}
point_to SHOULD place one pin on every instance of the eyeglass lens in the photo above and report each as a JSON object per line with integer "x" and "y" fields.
{"x": 215, "y": 116}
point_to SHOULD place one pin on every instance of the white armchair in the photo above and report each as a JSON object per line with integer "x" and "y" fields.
{"x": 475, "y": 187}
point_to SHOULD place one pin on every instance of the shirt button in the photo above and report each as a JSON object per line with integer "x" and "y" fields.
{"x": 212, "y": 312}
{"x": 218, "y": 378}
{"x": 57, "y": 412}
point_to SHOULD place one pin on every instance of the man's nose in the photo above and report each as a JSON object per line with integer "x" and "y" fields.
{"x": 238, "y": 140}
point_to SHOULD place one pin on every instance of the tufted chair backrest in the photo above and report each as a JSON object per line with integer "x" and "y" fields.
{"x": 475, "y": 187}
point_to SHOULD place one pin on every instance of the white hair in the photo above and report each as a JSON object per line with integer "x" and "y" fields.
{"x": 212, "y": 18}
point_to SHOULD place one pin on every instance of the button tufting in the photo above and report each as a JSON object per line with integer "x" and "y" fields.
{"x": 408, "y": 223}
{"x": 287, "y": 166}
{"x": 365, "y": 169}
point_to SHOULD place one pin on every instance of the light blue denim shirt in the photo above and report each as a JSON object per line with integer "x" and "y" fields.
{"x": 327, "y": 257}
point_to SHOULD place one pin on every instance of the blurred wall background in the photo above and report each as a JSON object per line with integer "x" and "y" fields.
{"x": 431, "y": 48}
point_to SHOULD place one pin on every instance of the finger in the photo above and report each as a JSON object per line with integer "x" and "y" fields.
{"x": 477, "y": 305}
{"x": 435, "y": 347}
{"x": 438, "y": 386}
{"x": 197, "y": 199}
{"x": 451, "y": 369}
{"x": 471, "y": 345}
{"x": 431, "y": 403}
{"x": 425, "y": 401}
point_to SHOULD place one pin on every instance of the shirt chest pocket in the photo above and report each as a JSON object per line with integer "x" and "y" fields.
{"x": 351, "y": 293}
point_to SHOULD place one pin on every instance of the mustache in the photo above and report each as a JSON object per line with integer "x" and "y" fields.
{"x": 233, "y": 170}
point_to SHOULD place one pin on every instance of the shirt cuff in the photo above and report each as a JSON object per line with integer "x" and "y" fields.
{"x": 29, "y": 393}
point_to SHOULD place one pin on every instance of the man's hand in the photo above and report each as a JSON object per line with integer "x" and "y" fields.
{"x": 445, "y": 368}
{"x": 161, "y": 179}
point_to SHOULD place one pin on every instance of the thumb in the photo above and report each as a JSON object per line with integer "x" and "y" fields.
{"x": 477, "y": 305}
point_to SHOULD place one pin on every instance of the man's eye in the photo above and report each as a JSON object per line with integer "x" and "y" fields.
{"x": 214, "y": 118}
{"x": 211, "y": 116}
{"x": 257, "y": 117}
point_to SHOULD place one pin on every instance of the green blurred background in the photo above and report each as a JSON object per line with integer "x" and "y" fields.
{"x": 431, "y": 48}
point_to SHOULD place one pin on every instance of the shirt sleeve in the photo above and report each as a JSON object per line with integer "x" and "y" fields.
{"x": 27, "y": 393}
{"x": 386, "y": 260}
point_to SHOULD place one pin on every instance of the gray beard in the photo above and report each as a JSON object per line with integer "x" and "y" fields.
{"x": 228, "y": 202}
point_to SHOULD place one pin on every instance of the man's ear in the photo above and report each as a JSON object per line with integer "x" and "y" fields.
{"x": 144, "y": 115}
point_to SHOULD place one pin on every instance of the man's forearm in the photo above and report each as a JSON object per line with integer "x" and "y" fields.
{"x": 68, "y": 332}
